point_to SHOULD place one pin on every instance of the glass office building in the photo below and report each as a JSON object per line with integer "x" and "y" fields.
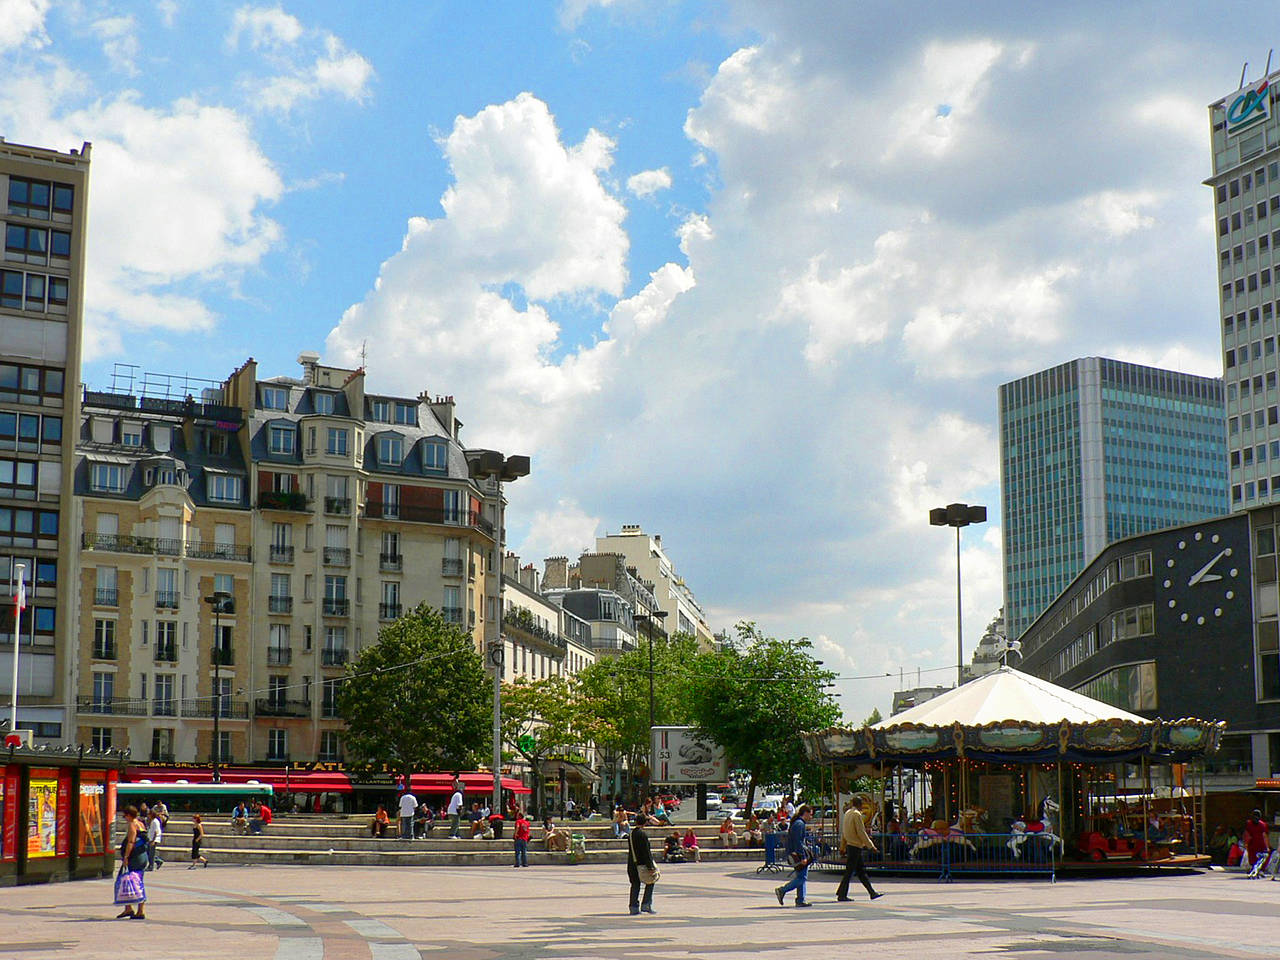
{"x": 1095, "y": 450}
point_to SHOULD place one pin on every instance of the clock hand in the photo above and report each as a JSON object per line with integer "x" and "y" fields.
{"x": 1203, "y": 573}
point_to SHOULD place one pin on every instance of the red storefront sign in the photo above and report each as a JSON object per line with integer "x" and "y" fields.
{"x": 9, "y": 841}
{"x": 62, "y": 844}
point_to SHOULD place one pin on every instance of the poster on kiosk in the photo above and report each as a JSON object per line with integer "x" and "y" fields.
{"x": 680, "y": 756}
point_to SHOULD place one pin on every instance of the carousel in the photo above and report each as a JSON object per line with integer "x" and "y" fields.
{"x": 1011, "y": 773}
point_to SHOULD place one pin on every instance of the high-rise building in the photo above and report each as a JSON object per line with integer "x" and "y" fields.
{"x": 325, "y": 511}
{"x": 646, "y": 554}
{"x": 1095, "y": 450}
{"x": 1245, "y": 136}
{"x": 41, "y": 309}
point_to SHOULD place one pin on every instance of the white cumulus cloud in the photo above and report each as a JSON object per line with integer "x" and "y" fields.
{"x": 22, "y": 23}
{"x": 648, "y": 182}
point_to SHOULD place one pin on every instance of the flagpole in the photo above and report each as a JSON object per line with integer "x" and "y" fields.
{"x": 19, "y": 603}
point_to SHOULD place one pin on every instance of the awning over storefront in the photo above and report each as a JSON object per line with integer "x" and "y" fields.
{"x": 573, "y": 772}
{"x": 290, "y": 780}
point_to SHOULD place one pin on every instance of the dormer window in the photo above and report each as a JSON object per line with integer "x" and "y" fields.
{"x": 282, "y": 440}
{"x": 380, "y": 410}
{"x": 322, "y": 402}
{"x": 107, "y": 478}
{"x": 390, "y": 450}
{"x": 217, "y": 443}
{"x": 435, "y": 456}
{"x": 131, "y": 434}
{"x": 222, "y": 487}
{"x": 407, "y": 414}
{"x": 273, "y": 398}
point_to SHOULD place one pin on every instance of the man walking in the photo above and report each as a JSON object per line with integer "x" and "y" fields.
{"x": 408, "y": 807}
{"x": 155, "y": 833}
{"x": 798, "y": 854}
{"x": 853, "y": 840}
{"x": 455, "y": 813}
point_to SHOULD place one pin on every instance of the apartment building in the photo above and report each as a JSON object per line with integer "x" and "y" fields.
{"x": 41, "y": 313}
{"x": 330, "y": 511}
{"x": 541, "y": 636}
{"x": 645, "y": 554}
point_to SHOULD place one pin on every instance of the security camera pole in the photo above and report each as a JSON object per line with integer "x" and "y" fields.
{"x": 958, "y": 515}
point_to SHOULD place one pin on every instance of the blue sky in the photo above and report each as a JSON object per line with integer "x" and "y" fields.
{"x": 746, "y": 273}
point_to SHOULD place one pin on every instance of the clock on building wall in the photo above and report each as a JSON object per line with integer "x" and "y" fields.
{"x": 1203, "y": 575}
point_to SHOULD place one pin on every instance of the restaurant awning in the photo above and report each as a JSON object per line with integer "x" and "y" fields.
{"x": 290, "y": 780}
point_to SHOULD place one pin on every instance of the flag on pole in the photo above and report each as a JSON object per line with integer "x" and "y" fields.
{"x": 20, "y": 598}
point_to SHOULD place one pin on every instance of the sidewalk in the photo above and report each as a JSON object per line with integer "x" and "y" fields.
{"x": 704, "y": 910}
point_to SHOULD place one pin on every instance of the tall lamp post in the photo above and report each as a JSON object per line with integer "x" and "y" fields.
{"x": 221, "y": 602}
{"x": 958, "y": 515}
{"x": 648, "y": 618}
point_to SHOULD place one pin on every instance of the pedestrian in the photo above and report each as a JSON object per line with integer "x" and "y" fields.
{"x": 522, "y": 832}
{"x": 1256, "y": 841}
{"x": 261, "y": 817}
{"x": 455, "y": 809}
{"x": 408, "y": 807}
{"x": 155, "y": 833}
{"x": 240, "y": 818}
{"x": 640, "y": 866}
{"x": 798, "y": 854}
{"x": 853, "y": 840}
{"x": 130, "y": 889}
{"x": 197, "y": 838}
{"x": 477, "y": 822}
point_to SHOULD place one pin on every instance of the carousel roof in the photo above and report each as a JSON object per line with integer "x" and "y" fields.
{"x": 1008, "y": 695}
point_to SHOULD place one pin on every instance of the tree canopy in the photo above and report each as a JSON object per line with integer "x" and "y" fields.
{"x": 755, "y": 697}
{"x": 418, "y": 698}
{"x": 543, "y": 717}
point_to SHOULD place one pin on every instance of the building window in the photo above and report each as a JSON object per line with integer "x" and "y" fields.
{"x": 277, "y": 744}
{"x": 380, "y": 410}
{"x": 131, "y": 434}
{"x": 322, "y": 402}
{"x": 435, "y": 456}
{"x": 104, "y": 639}
{"x": 224, "y": 488}
{"x": 100, "y": 738}
{"x": 273, "y": 398}
{"x": 337, "y": 441}
{"x": 1131, "y": 687}
{"x": 1135, "y": 565}
{"x": 330, "y": 745}
{"x": 283, "y": 440}
{"x": 390, "y": 450}
{"x": 37, "y": 198}
{"x": 107, "y": 478}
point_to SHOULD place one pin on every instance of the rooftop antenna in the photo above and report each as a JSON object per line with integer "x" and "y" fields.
{"x": 1267, "y": 72}
{"x": 1242, "y": 70}
{"x": 364, "y": 344}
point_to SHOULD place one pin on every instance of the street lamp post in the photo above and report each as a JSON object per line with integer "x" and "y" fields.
{"x": 221, "y": 602}
{"x": 958, "y": 515}
{"x": 648, "y": 618}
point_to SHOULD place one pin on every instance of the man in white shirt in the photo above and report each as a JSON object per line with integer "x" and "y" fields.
{"x": 455, "y": 812}
{"x": 408, "y": 807}
{"x": 155, "y": 833}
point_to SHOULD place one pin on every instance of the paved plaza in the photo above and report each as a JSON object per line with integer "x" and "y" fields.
{"x": 721, "y": 911}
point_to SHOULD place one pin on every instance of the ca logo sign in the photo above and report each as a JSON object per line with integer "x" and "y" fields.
{"x": 1249, "y": 107}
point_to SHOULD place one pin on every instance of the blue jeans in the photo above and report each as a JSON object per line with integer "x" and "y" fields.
{"x": 797, "y": 883}
{"x": 620, "y": 831}
{"x": 522, "y": 853}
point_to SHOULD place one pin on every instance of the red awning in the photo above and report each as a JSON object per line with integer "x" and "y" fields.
{"x": 318, "y": 781}
{"x": 472, "y": 783}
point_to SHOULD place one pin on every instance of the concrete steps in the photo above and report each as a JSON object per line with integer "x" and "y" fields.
{"x": 346, "y": 841}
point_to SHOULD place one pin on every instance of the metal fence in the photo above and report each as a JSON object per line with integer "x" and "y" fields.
{"x": 951, "y": 855}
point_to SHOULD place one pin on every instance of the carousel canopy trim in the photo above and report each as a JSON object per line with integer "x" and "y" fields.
{"x": 1009, "y": 715}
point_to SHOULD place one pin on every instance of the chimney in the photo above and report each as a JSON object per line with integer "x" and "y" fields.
{"x": 556, "y": 572}
{"x": 309, "y": 360}
{"x": 511, "y": 566}
{"x": 442, "y": 408}
{"x": 529, "y": 577}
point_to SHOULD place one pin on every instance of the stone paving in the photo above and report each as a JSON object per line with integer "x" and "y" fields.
{"x": 717, "y": 911}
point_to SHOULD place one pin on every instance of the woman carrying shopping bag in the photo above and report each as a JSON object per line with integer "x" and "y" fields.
{"x": 130, "y": 888}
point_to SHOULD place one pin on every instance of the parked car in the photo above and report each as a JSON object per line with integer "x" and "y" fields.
{"x": 714, "y": 801}
{"x": 670, "y": 801}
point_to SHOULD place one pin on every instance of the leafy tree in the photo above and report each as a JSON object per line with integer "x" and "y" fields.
{"x": 418, "y": 698}
{"x": 542, "y": 717}
{"x": 873, "y": 719}
{"x": 756, "y": 697}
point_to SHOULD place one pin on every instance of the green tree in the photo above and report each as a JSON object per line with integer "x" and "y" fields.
{"x": 756, "y": 697}
{"x": 418, "y": 698}
{"x": 541, "y": 717}
{"x": 872, "y": 720}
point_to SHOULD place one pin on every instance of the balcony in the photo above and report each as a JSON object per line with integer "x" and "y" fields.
{"x": 390, "y": 562}
{"x": 452, "y": 614}
{"x": 166, "y": 653}
{"x": 334, "y": 657}
{"x": 519, "y": 623}
{"x": 337, "y": 556}
{"x": 168, "y": 546}
{"x": 612, "y": 643}
{"x": 376, "y": 510}
{"x": 106, "y": 597}
{"x": 279, "y": 604}
{"x": 104, "y": 651}
{"x": 450, "y": 567}
{"x": 273, "y": 707}
{"x": 219, "y": 551}
{"x": 337, "y": 506}
{"x": 203, "y": 709}
{"x": 222, "y": 657}
{"x": 164, "y": 708}
{"x": 111, "y": 706}
{"x": 167, "y": 599}
{"x": 281, "y": 554}
{"x": 279, "y": 656}
{"x": 117, "y": 543}
{"x": 388, "y": 611}
{"x": 278, "y": 500}
{"x": 336, "y": 608}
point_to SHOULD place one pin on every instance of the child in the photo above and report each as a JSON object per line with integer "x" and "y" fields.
{"x": 522, "y": 839}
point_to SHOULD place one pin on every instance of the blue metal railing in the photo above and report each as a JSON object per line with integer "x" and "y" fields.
{"x": 953, "y": 854}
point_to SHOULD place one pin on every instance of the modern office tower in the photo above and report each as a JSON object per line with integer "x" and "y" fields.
{"x": 326, "y": 512}
{"x": 1095, "y": 450}
{"x": 41, "y": 310}
{"x": 1245, "y": 134}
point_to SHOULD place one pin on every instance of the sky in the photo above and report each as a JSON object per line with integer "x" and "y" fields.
{"x": 746, "y": 273}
